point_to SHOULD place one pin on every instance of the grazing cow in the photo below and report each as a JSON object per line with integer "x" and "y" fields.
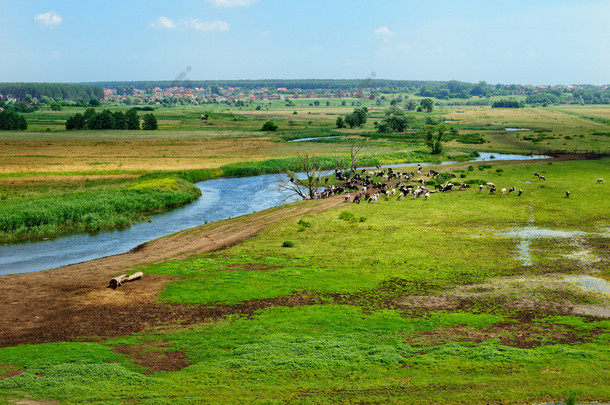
{"x": 599, "y": 181}
{"x": 480, "y": 187}
{"x": 510, "y": 190}
{"x": 347, "y": 198}
{"x": 426, "y": 196}
{"x": 567, "y": 193}
{"x": 520, "y": 192}
{"x": 503, "y": 191}
{"x": 541, "y": 178}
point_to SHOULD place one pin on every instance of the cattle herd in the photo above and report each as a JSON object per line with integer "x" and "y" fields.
{"x": 370, "y": 185}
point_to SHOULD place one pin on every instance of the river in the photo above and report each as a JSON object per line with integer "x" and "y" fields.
{"x": 221, "y": 198}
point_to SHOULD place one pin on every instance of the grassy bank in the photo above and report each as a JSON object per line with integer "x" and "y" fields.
{"x": 31, "y": 213}
{"x": 406, "y": 301}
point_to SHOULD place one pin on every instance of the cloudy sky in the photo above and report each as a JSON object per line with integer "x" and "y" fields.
{"x": 503, "y": 41}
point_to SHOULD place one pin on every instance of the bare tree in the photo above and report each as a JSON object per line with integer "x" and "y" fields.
{"x": 355, "y": 156}
{"x": 307, "y": 185}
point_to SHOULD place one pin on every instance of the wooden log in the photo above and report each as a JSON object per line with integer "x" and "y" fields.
{"x": 123, "y": 278}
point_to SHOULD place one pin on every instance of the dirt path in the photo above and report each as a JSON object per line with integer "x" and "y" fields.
{"x": 72, "y": 302}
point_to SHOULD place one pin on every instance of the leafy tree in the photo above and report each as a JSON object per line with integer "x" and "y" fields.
{"x": 12, "y": 121}
{"x": 150, "y": 123}
{"x": 383, "y": 127}
{"x": 89, "y": 113}
{"x": 340, "y": 122}
{"x": 351, "y": 120}
{"x": 94, "y": 102}
{"x": 410, "y": 105}
{"x": 434, "y": 141}
{"x": 437, "y": 149}
{"x": 269, "y": 126}
{"x": 358, "y": 117}
{"x": 132, "y": 119}
{"x": 427, "y": 104}
{"x": 120, "y": 122}
{"x": 56, "y": 107}
{"x": 395, "y": 121}
{"x": 103, "y": 120}
{"x": 76, "y": 122}
{"x": 23, "y": 108}
{"x": 429, "y": 135}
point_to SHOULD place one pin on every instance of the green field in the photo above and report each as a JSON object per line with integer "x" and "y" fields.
{"x": 406, "y": 301}
{"x": 464, "y": 298}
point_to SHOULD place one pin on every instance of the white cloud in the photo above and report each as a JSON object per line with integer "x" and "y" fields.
{"x": 163, "y": 23}
{"x": 195, "y": 24}
{"x": 384, "y": 33}
{"x": 231, "y": 3}
{"x": 49, "y": 20}
{"x": 192, "y": 23}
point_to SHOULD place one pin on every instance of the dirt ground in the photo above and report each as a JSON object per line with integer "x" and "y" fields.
{"x": 72, "y": 303}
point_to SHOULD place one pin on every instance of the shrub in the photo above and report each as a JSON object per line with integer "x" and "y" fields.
{"x": 269, "y": 126}
{"x": 288, "y": 243}
{"x": 347, "y": 216}
{"x": 304, "y": 224}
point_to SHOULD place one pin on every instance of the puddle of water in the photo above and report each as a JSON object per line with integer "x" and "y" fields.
{"x": 523, "y": 251}
{"x": 589, "y": 283}
{"x": 526, "y": 234}
{"x": 517, "y": 129}
{"x": 315, "y": 138}
{"x": 532, "y": 232}
{"x": 584, "y": 256}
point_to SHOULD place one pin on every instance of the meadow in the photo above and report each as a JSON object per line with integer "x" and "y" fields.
{"x": 406, "y": 301}
{"x": 464, "y": 298}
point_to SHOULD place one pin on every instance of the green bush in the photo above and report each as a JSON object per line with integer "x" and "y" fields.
{"x": 288, "y": 243}
{"x": 269, "y": 126}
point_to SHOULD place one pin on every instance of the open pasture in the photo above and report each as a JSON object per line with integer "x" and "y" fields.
{"x": 548, "y": 128}
{"x": 406, "y": 301}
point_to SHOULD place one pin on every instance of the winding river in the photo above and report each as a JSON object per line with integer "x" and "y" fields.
{"x": 221, "y": 198}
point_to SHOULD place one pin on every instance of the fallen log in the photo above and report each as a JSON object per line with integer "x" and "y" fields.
{"x": 123, "y": 278}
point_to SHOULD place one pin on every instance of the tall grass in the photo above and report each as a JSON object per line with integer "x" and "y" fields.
{"x": 91, "y": 210}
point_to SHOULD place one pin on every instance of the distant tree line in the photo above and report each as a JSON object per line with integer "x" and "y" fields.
{"x": 61, "y": 91}
{"x": 507, "y": 104}
{"x": 107, "y": 119}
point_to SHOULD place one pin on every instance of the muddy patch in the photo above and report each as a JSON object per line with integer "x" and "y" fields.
{"x": 548, "y": 294}
{"x": 8, "y": 371}
{"x": 155, "y": 356}
{"x": 103, "y": 321}
{"x": 513, "y": 334}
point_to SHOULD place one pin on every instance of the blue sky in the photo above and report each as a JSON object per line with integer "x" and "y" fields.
{"x": 502, "y": 41}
